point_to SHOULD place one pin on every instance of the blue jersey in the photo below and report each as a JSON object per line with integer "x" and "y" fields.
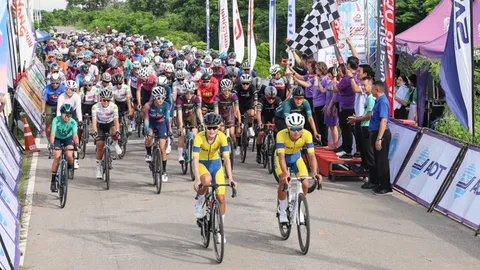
{"x": 50, "y": 96}
{"x": 154, "y": 115}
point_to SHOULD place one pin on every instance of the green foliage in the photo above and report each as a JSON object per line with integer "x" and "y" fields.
{"x": 410, "y": 12}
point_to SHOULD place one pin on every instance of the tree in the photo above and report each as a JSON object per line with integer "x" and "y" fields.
{"x": 157, "y": 7}
{"x": 90, "y": 4}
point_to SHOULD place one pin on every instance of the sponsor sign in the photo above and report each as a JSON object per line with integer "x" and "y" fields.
{"x": 402, "y": 138}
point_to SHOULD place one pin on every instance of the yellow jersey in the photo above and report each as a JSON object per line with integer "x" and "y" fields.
{"x": 289, "y": 147}
{"x": 206, "y": 151}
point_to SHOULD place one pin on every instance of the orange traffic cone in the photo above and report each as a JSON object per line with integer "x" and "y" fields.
{"x": 30, "y": 146}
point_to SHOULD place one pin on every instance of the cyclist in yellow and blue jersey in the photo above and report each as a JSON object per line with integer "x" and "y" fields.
{"x": 207, "y": 163}
{"x": 290, "y": 142}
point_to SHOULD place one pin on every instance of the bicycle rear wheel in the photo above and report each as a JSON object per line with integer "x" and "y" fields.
{"x": 123, "y": 139}
{"x": 158, "y": 170}
{"x": 184, "y": 164}
{"x": 217, "y": 230}
{"x": 63, "y": 183}
{"x": 285, "y": 229}
{"x": 190, "y": 159}
{"x": 106, "y": 165}
{"x": 303, "y": 223}
{"x": 244, "y": 144}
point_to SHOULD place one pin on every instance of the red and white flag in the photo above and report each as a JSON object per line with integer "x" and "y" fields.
{"x": 238, "y": 38}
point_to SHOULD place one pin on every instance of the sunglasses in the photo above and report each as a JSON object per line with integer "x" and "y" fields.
{"x": 212, "y": 128}
{"x": 106, "y": 100}
{"x": 206, "y": 81}
{"x": 296, "y": 129}
{"x": 159, "y": 98}
{"x": 55, "y": 83}
{"x": 88, "y": 62}
{"x": 245, "y": 83}
{"x": 106, "y": 81}
{"x": 298, "y": 98}
{"x": 271, "y": 98}
{"x": 70, "y": 89}
{"x": 181, "y": 80}
{"x": 188, "y": 93}
{"x": 67, "y": 115}
{"x": 88, "y": 85}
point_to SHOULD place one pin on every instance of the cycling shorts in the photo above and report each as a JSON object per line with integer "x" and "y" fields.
{"x": 160, "y": 129}
{"x": 87, "y": 109}
{"x": 228, "y": 118}
{"x": 295, "y": 162}
{"x": 245, "y": 107}
{"x": 58, "y": 143}
{"x": 209, "y": 106}
{"x": 190, "y": 120}
{"x": 103, "y": 129}
{"x": 145, "y": 96}
{"x": 215, "y": 169}
{"x": 122, "y": 107}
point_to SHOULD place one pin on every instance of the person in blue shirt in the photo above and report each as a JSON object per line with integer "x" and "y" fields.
{"x": 80, "y": 79}
{"x": 49, "y": 100}
{"x": 380, "y": 137}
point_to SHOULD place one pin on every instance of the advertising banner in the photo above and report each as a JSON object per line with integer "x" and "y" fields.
{"x": 9, "y": 198}
{"x": 428, "y": 167}
{"x": 389, "y": 17}
{"x": 8, "y": 162}
{"x": 272, "y": 30}
{"x": 4, "y": 55}
{"x": 25, "y": 35}
{"x": 207, "y": 11}
{"x": 291, "y": 25}
{"x": 252, "y": 47}
{"x": 12, "y": 249}
{"x": 381, "y": 63}
{"x": 30, "y": 100}
{"x": 9, "y": 221}
{"x": 402, "y": 138}
{"x": 9, "y": 142}
{"x": 223, "y": 27}
{"x": 462, "y": 198}
{"x": 238, "y": 38}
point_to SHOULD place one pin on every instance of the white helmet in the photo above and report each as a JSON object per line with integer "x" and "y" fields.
{"x": 71, "y": 84}
{"x": 159, "y": 92}
{"x": 179, "y": 64}
{"x": 226, "y": 84}
{"x": 162, "y": 80}
{"x": 55, "y": 77}
{"x": 274, "y": 69}
{"x": 208, "y": 59}
{"x": 295, "y": 120}
{"x": 137, "y": 65}
{"x": 119, "y": 49}
{"x": 179, "y": 74}
{"x": 189, "y": 86}
{"x": 106, "y": 93}
{"x": 209, "y": 71}
{"x": 217, "y": 62}
{"x": 143, "y": 73}
{"x": 145, "y": 61}
{"x": 169, "y": 68}
{"x": 157, "y": 59}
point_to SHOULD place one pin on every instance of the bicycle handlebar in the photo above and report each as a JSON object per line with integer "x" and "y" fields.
{"x": 215, "y": 186}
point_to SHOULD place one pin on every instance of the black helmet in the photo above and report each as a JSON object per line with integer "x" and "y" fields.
{"x": 110, "y": 52}
{"x": 83, "y": 69}
{"x": 197, "y": 62}
{"x": 212, "y": 119}
{"x": 117, "y": 79}
{"x": 66, "y": 108}
{"x": 214, "y": 55}
{"x": 205, "y": 77}
{"x": 192, "y": 68}
{"x": 298, "y": 92}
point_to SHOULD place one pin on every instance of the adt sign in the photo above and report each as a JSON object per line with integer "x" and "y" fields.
{"x": 468, "y": 179}
{"x": 423, "y": 164}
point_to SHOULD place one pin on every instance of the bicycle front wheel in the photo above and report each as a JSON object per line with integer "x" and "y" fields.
{"x": 244, "y": 144}
{"x": 285, "y": 228}
{"x": 106, "y": 165}
{"x": 185, "y": 162}
{"x": 217, "y": 230}
{"x": 84, "y": 141}
{"x": 303, "y": 223}
{"x": 63, "y": 183}
{"x": 158, "y": 170}
{"x": 190, "y": 159}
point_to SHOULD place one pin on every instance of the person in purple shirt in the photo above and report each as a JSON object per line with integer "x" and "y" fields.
{"x": 347, "y": 103}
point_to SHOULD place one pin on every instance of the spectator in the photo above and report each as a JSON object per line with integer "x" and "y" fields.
{"x": 412, "y": 98}
{"x": 400, "y": 104}
{"x": 330, "y": 112}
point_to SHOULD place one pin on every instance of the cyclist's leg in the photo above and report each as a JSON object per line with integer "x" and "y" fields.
{"x": 56, "y": 155}
{"x": 205, "y": 176}
{"x": 217, "y": 171}
{"x": 69, "y": 146}
{"x": 162, "y": 132}
{"x": 149, "y": 142}
{"x": 301, "y": 171}
{"x": 102, "y": 130}
{"x": 282, "y": 181}
{"x": 49, "y": 110}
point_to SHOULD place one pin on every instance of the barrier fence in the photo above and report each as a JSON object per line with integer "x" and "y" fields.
{"x": 437, "y": 171}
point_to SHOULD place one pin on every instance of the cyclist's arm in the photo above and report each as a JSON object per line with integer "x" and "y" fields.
{"x": 53, "y": 131}
{"x": 78, "y": 107}
{"x": 167, "y": 117}
{"x": 308, "y": 112}
{"x": 75, "y": 133}
{"x": 59, "y": 104}
{"x": 115, "y": 118}
{"x": 180, "y": 117}
{"x": 199, "y": 110}
{"x": 280, "y": 147}
{"x": 94, "y": 118}
{"x": 215, "y": 104}
{"x": 197, "y": 142}
{"x": 226, "y": 157}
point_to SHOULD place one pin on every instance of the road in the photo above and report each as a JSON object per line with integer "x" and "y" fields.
{"x": 131, "y": 227}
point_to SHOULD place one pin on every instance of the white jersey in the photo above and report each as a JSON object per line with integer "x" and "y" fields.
{"x": 100, "y": 86}
{"x": 178, "y": 88}
{"x": 74, "y": 100}
{"x": 104, "y": 115}
{"x": 122, "y": 94}
{"x": 93, "y": 69}
{"x": 89, "y": 97}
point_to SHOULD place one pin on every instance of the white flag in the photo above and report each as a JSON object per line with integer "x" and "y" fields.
{"x": 252, "y": 47}
{"x": 223, "y": 28}
{"x": 291, "y": 26}
{"x": 272, "y": 30}
{"x": 26, "y": 38}
{"x": 238, "y": 38}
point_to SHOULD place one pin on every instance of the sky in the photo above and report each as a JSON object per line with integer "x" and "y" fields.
{"x": 49, "y": 5}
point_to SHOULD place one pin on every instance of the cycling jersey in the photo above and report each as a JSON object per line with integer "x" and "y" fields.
{"x": 132, "y": 80}
{"x": 268, "y": 109}
{"x": 100, "y": 86}
{"x": 289, "y": 107}
{"x": 154, "y": 116}
{"x": 64, "y": 130}
{"x": 178, "y": 88}
{"x": 289, "y": 147}
{"x": 281, "y": 85}
{"x": 147, "y": 84}
{"x": 89, "y": 97}
{"x": 50, "y": 95}
{"x": 72, "y": 74}
{"x": 122, "y": 94}
{"x": 194, "y": 78}
{"x": 207, "y": 94}
{"x": 219, "y": 73}
{"x": 245, "y": 96}
{"x": 188, "y": 107}
{"x": 112, "y": 72}
{"x": 206, "y": 151}
{"x": 63, "y": 78}
{"x": 225, "y": 104}
{"x": 104, "y": 115}
{"x": 74, "y": 100}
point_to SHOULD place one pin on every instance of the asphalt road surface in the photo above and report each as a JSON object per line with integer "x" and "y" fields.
{"x": 131, "y": 227}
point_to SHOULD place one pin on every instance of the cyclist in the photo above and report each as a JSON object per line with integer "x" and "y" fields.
{"x": 163, "y": 82}
{"x": 64, "y": 133}
{"x": 189, "y": 107}
{"x": 89, "y": 95}
{"x": 218, "y": 70}
{"x": 92, "y": 69}
{"x": 207, "y": 92}
{"x": 55, "y": 68}
{"x": 115, "y": 67}
{"x": 81, "y": 76}
{"x": 156, "y": 116}
{"x": 122, "y": 97}
{"x": 227, "y": 106}
{"x": 106, "y": 82}
{"x": 290, "y": 141}
{"x": 266, "y": 107}
{"x": 247, "y": 98}
{"x": 207, "y": 163}
{"x": 49, "y": 101}
{"x": 178, "y": 87}
{"x": 105, "y": 120}
{"x": 284, "y": 89}
{"x": 246, "y": 70}
{"x": 146, "y": 82}
{"x": 213, "y": 80}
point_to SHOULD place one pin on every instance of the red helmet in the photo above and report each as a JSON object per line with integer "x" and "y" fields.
{"x": 122, "y": 57}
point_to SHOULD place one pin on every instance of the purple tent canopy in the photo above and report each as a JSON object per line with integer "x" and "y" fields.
{"x": 428, "y": 37}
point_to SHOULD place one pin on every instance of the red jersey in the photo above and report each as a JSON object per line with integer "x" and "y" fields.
{"x": 207, "y": 94}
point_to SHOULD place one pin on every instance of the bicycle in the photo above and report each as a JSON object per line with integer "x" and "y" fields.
{"x": 268, "y": 147}
{"x": 49, "y": 147}
{"x": 63, "y": 176}
{"x": 123, "y": 135}
{"x": 231, "y": 145}
{"x": 107, "y": 159}
{"x": 244, "y": 138}
{"x": 84, "y": 139}
{"x": 297, "y": 213}
{"x": 187, "y": 152}
{"x": 139, "y": 122}
{"x": 212, "y": 221}
{"x": 155, "y": 165}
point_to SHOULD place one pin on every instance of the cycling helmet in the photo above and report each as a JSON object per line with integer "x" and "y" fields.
{"x": 106, "y": 77}
{"x": 67, "y": 109}
{"x": 226, "y": 84}
{"x": 122, "y": 57}
{"x": 189, "y": 87}
{"x": 159, "y": 92}
{"x": 214, "y": 55}
{"x": 156, "y": 49}
{"x": 119, "y": 49}
{"x": 179, "y": 64}
{"x": 209, "y": 71}
{"x": 79, "y": 44}
{"x": 212, "y": 119}
{"x": 208, "y": 60}
{"x": 274, "y": 69}
{"x": 137, "y": 50}
{"x": 205, "y": 77}
{"x": 55, "y": 77}
{"x": 89, "y": 79}
{"x": 217, "y": 62}
{"x": 162, "y": 80}
{"x": 145, "y": 61}
{"x": 179, "y": 74}
{"x": 198, "y": 54}
{"x": 222, "y": 55}
{"x": 79, "y": 55}
{"x": 137, "y": 65}
{"x": 295, "y": 120}
{"x": 231, "y": 71}
{"x": 83, "y": 69}
{"x": 197, "y": 63}
{"x": 298, "y": 92}
{"x": 87, "y": 58}
{"x": 101, "y": 53}
{"x": 59, "y": 56}
{"x": 192, "y": 68}
{"x": 246, "y": 78}
{"x": 150, "y": 55}
{"x": 71, "y": 84}
{"x": 169, "y": 68}
{"x": 143, "y": 73}
{"x": 107, "y": 93}
{"x": 232, "y": 55}
{"x": 157, "y": 59}
{"x": 117, "y": 79}
{"x": 55, "y": 67}
{"x": 147, "y": 46}
{"x": 161, "y": 66}
{"x": 258, "y": 83}
{"x": 114, "y": 63}
{"x": 232, "y": 61}
{"x": 246, "y": 66}
{"x": 270, "y": 91}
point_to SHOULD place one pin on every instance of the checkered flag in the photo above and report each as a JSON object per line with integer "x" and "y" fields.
{"x": 316, "y": 32}
{"x": 331, "y": 8}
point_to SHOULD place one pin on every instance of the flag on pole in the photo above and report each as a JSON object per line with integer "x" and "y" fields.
{"x": 456, "y": 70}
{"x": 252, "y": 47}
{"x": 272, "y": 33}
{"x": 291, "y": 26}
{"x": 389, "y": 21}
{"x": 238, "y": 38}
{"x": 331, "y": 9}
{"x": 25, "y": 35}
{"x": 207, "y": 11}
{"x": 223, "y": 27}
{"x": 316, "y": 32}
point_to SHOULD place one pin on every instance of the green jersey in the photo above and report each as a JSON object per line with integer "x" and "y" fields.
{"x": 64, "y": 130}
{"x": 369, "y": 104}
